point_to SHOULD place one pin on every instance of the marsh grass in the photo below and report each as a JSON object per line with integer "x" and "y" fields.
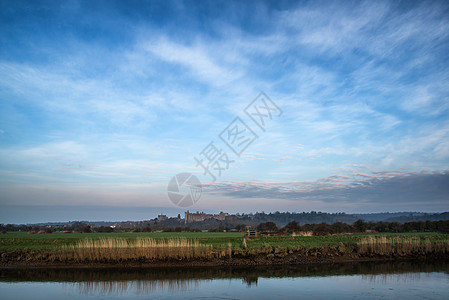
{"x": 52, "y": 242}
{"x": 149, "y": 247}
{"x": 118, "y": 249}
{"x": 400, "y": 246}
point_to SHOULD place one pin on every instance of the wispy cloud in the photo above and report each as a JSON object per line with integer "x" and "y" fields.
{"x": 131, "y": 99}
{"x": 375, "y": 190}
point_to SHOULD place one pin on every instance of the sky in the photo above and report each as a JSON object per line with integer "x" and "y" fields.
{"x": 333, "y": 106}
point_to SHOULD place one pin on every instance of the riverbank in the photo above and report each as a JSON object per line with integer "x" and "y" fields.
{"x": 237, "y": 257}
{"x": 213, "y": 249}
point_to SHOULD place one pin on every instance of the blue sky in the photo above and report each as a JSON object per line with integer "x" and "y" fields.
{"x": 102, "y": 102}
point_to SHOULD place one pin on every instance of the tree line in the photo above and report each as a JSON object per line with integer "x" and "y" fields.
{"x": 357, "y": 227}
{"x": 263, "y": 227}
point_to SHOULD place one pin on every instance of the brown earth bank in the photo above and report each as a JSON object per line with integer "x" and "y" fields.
{"x": 236, "y": 257}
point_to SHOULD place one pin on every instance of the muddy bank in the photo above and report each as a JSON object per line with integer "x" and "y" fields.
{"x": 237, "y": 257}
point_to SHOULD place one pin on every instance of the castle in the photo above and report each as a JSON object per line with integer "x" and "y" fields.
{"x": 201, "y": 216}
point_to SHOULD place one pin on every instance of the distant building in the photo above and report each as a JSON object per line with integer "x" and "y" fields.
{"x": 201, "y": 216}
{"x": 162, "y": 217}
{"x": 251, "y": 232}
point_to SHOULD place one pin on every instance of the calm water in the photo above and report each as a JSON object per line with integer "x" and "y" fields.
{"x": 404, "y": 280}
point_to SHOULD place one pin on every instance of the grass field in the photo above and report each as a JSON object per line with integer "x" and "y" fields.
{"x": 25, "y": 241}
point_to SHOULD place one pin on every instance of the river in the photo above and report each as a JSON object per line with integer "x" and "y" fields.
{"x": 366, "y": 280}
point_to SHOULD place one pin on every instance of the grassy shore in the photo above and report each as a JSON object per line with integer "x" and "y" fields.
{"x": 218, "y": 247}
{"x": 23, "y": 240}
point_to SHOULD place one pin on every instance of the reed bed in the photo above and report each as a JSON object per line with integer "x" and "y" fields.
{"x": 119, "y": 249}
{"x": 302, "y": 233}
{"x": 401, "y": 246}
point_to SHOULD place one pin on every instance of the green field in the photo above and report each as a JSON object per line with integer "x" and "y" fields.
{"x": 25, "y": 241}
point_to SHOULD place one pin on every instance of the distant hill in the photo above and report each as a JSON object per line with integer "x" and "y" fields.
{"x": 284, "y": 218}
{"x": 424, "y": 217}
{"x": 280, "y": 218}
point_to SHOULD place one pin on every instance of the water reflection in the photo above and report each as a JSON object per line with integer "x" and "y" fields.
{"x": 144, "y": 281}
{"x": 139, "y": 286}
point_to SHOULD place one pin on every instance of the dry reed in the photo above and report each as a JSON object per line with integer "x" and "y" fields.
{"x": 400, "y": 246}
{"x": 302, "y": 233}
{"x": 117, "y": 249}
